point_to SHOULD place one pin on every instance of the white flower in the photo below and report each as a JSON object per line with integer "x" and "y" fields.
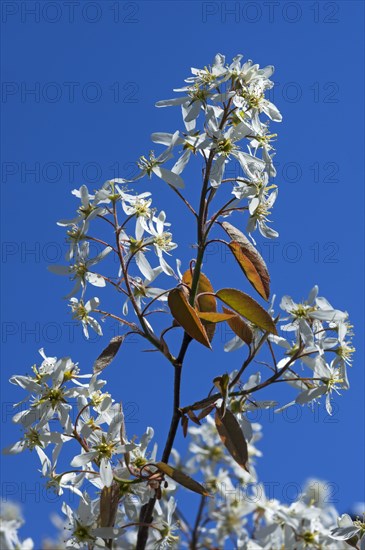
{"x": 345, "y": 349}
{"x": 347, "y": 529}
{"x": 34, "y": 437}
{"x": 82, "y": 526}
{"x": 10, "y": 522}
{"x": 192, "y": 142}
{"x": 81, "y": 312}
{"x": 80, "y": 270}
{"x": 87, "y": 211}
{"x": 49, "y": 395}
{"x": 248, "y": 73}
{"x": 143, "y": 289}
{"x": 252, "y": 98}
{"x": 201, "y": 87}
{"x": 161, "y": 240}
{"x": 138, "y": 206}
{"x": 103, "y": 448}
{"x": 58, "y": 482}
{"x": 166, "y": 527}
{"x": 313, "y": 309}
{"x": 259, "y": 209}
{"x": 153, "y": 165}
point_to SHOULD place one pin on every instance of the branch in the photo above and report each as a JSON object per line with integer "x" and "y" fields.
{"x": 146, "y": 514}
{"x": 198, "y": 405}
{"x": 195, "y": 534}
{"x": 187, "y": 203}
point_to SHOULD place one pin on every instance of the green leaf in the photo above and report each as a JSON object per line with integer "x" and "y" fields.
{"x": 108, "y": 354}
{"x": 207, "y": 304}
{"x": 247, "y": 307}
{"x": 187, "y": 316}
{"x": 239, "y": 327}
{"x": 249, "y": 259}
{"x": 232, "y": 437}
{"x": 212, "y": 317}
{"x": 182, "y": 478}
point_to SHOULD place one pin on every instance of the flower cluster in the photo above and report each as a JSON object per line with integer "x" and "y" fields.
{"x": 232, "y": 98}
{"x": 228, "y": 99}
{"x": 125, "y": 493}
{"x": 238, "y": 511}
{"x": 64, "y": 406}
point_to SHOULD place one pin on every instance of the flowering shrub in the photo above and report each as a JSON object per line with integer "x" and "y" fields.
{"x": 127, "y": 489}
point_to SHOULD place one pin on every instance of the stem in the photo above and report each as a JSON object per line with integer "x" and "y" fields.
{"x": 119, "y": 319}
{"x": 195, "y": 534}
{"x": 146, "y": 331}
{"x": 250, "y": 357}
{"x": 100, "y": 241}
{"x": 220, "y": 211}
{"x": 185, "y": 201}
{"x": 146, "y": 514}
{"x": 198, "y": 405}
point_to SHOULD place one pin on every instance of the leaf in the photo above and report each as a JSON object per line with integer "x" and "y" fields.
{"x": 205, "y": 412}
{"x": 222, "y": 384}
{"x": 187, "y": 316}
{"x": 249, "y": 260}
{"x": 205, "y": 303}
{"x": 247, "y": 307}
{"x": 193, "y": 417}
{"x": 181, "y": 478}
{"x": 249, "y": 269}
{"x": 108, "y": 354}
{"x": 239, "y": 327}
{"x": 232, "y": 437}
{"x": 184, "y": 425}
{"x": 215, "y": 317}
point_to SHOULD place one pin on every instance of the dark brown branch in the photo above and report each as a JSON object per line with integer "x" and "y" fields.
{"x": 195, "y": 534}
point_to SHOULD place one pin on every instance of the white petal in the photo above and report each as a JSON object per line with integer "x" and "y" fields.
{"x": 144, "y": 265}
{"x": 95, "y": 279}
{"x": 106, "y": 472}
{"x": 84, "y": 458}
{"x": 59, "y": 269}
{"x": 192, "y": 111}
{"x": 170, "y": 102}
{"x": 233, "y": 344}
{"x": 217, "y": 171}
{"x": 173, "y": 179}
{"x": 182, "y": 162}
{"x": 165, "y": 267}
{"x": 161, "y": 137}
{"x": 313, "y": 294}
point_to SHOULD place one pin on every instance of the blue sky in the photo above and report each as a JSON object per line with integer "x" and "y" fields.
{"x": 79, "y": 87}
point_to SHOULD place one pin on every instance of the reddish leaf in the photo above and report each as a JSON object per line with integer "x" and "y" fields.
{"x": 205, "y": 303}
{"x": 232, "y": 437}
{"x": 108, "y": 354}
{"x": 187, "y": 316}
{"x": 247, "y": 307}
{"x": 182, "y": 478}
{"x": 212, "y": 317}
{"x": 239, "y": 327}
{"x": 249, "y": 259}
{"x": 184, "y": 425}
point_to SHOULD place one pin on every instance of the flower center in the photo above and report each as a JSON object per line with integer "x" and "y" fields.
{"x": 163, "y": 241}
